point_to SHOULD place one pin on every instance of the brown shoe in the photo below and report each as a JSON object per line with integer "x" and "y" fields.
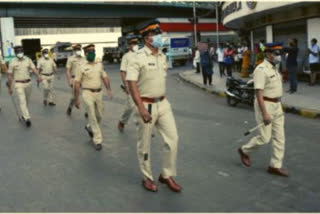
{"x": 121, "y": 126}
{"x": 171, "y": 183}
{"x": 149, "y": 185}
{"x": 244, "y": 158}
{"x": 278, "y": 171}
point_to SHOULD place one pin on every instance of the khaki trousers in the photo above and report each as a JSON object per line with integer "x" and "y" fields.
{"x": 273, "y": 132}
{"x": 47, "y": 82}
{"x": 71, "y": 103}
{"x": 23, "y": 93}
{"x": 163, "y": 119}
{"x": 128, "y": 109}
{"x": 94, "y": 108}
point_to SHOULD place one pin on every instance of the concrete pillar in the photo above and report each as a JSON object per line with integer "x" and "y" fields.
{"x": 269, "y": 33}
{"x": 7, "y": 36}
{"x": 313, "y": 29}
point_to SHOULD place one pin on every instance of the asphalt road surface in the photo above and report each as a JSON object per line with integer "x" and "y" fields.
{"x": 52, "y": 167}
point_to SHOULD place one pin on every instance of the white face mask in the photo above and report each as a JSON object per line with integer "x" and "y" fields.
{"x": 20, "y": 55}
{"x": 46, "y": 56}
{"x": 78, "y": 53}
{"x": 135, "y": 48}
{"x": 277, "y": 60}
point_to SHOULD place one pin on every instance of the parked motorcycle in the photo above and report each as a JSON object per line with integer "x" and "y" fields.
{"x": 239, "y": 91}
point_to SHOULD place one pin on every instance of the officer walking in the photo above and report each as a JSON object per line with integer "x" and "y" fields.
{"x": 73, "y": 67}
{"x": 3, "y": 69}
{"x": 268, "y": 109}
{"x": 90, "y": 78}
{"x": 146, "y": 75}
{"x": 47, "y": 68}
{"x": 19, "y": 72}
{"x": 129, "y": 106}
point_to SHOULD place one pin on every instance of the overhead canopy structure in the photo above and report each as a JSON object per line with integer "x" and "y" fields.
{"x": 95, "y": 14}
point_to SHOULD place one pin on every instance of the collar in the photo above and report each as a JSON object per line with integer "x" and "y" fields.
{"x": 149, "y": 52}
{"x": 269, "y": 64}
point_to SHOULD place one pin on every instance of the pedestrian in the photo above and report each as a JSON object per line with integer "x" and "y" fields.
{"x": 147, "y": 82}
{"x": 229, "y": 59}
{"x": 132, "y": 42}
{"x": 90, "y": 78}
{"x": 240, "y": 51}
{"x": 292, "y": 64}
{"x": 268, "y": 110}
{"x": 220, "y": 55}
{"x": 196, "y": 61}
{"x": 207, "y": 67}
{"x": 314, "y": 62}
{"x": 47, "y": 68}
{"x": 72, "y": 67}
{"x": 3, "y": 69}
{"x": 19, "y": 73}
{"x": 245, "y": 62}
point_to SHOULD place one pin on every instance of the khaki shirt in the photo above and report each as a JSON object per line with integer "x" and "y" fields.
{"x": 46, "y": 66}
{"x": 73, "y": 63}
{"x": 125, "y": 61}
{"x": 90, "y": 75}
{"x": 20, "y": 68}
{"x": 149, "y": 71}
{"x": 267, "y": 77}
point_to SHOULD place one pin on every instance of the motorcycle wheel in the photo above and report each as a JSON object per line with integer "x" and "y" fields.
{"x": 232, "y": 101}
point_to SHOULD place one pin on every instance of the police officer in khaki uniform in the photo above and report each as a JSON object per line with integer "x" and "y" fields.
{"x": 73, "y": 67}
{"x": 146, "y": 75}
{"x": 268, "y": 109}
{"x": 19, "y": 72}
{"x": 47, "y": 68}
{"x": 132, "y": 41}
{"x": 90, "y": 78}
{"x": 3, "y": 69}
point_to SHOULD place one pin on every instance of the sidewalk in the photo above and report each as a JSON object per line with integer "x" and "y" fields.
{"x": 306, "y": 102}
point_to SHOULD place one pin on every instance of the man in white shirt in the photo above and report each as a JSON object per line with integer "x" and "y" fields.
{"x": 220, "y": 54}
{"x": 314, "y": 61}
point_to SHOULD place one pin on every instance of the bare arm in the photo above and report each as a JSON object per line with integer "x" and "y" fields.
{"x": 107, "y": 84}
{"x": 137, "y": 100}
{"x": 69, "y": 77}
{"x": 265, "y": 115}
{"x": 37, "y": 73}
{"x": 76, "y": 91}
{"x": 124, "y": 81}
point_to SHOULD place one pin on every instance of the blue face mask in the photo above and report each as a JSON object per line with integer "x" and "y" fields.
{"x": 157, "y": 41}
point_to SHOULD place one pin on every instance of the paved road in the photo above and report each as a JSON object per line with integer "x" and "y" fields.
{"x": 52, "y": 167}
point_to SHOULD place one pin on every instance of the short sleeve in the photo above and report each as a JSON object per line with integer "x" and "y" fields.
{"x": 31, "y": 65}
{"x": 124, "y": 63}
{"x": 133, "y": 70}
{"x": 103, "y": 72}
{"x": 68, "y": 65}
{"x": 259, "y": 78}
{"x": 10, "y": 69}
{"x": 78, "y": 76}
{"x": 53, "y": 63}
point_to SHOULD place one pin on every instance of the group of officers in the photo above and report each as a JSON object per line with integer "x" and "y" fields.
{"x": 143, "y": 73}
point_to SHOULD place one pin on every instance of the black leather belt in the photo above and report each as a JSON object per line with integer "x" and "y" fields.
{"x": 274, "y": 100}
{"x": 152, "y": 100}
{"x": 47, "y": 74}
{"x": 92, "y": 90}
{"x": 23, "y": 81}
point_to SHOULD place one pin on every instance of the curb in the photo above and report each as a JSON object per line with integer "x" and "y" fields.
{"x": 307, "y": 113}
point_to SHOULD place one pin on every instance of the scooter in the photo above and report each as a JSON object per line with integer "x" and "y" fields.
{"x": 239, "y": 91}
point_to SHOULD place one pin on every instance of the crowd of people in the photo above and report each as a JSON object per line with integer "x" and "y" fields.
{"x": 231, "y": 58}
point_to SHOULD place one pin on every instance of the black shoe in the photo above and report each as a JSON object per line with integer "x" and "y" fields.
{"x": 90, "y": 133}
{"x": 98, "y": 147}
{"x": 52, "y": 104}
{"x": 69, "y": 110}
{"x": 86, "y": 115}
{"x": 45, "y": 103}
{"x": 28, "y": 123}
